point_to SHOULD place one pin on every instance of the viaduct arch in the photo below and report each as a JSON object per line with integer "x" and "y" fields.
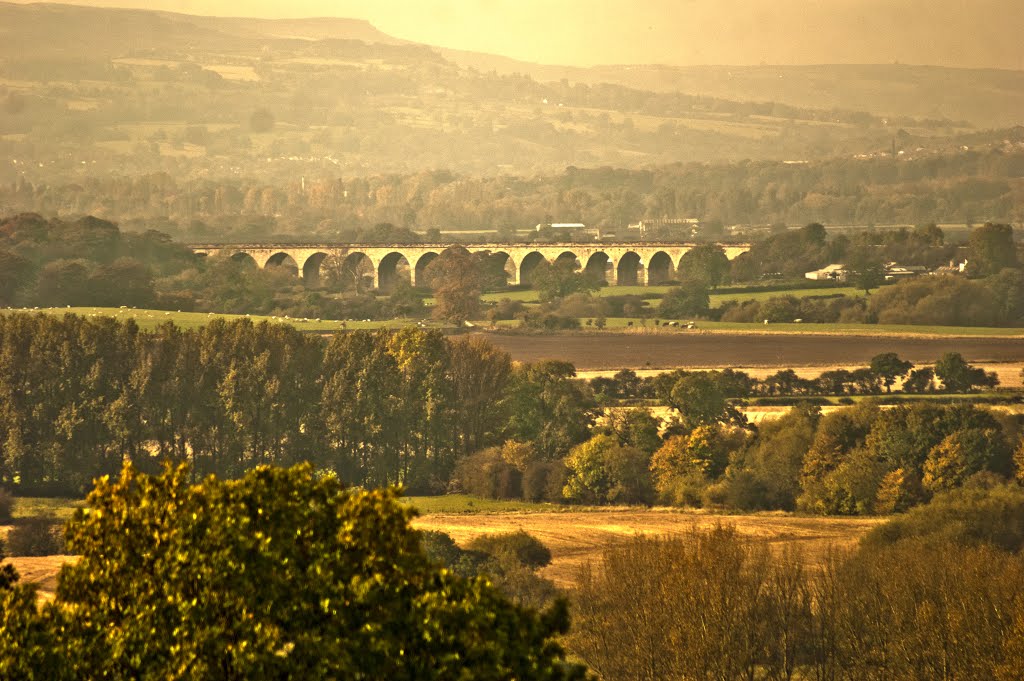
{"x": 639, "y": 264}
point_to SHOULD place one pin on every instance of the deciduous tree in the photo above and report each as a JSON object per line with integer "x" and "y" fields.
{"x": 281, "y": 574}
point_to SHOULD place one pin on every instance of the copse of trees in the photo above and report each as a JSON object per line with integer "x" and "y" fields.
{"x": 91, "y": 262}
{"x": 81, "y": 395}
{"x": 705, "y": 395}
{"x": 83, "y": 262}
{"x": 862, "y": 460}
{"x": 282, "y": 573}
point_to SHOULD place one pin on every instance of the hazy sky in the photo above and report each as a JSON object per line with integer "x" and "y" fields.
{"x": 587, "y": 32}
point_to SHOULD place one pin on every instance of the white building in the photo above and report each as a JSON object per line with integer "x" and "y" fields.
{"x": 828, "y": 273}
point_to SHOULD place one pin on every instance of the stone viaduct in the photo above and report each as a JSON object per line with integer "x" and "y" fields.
{"x": 621, "y": 264}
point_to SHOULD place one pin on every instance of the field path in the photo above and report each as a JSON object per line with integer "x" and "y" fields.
{"x": 577, "y": 536}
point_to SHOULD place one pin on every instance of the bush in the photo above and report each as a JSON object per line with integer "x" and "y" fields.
{"x": 36, "y": 537}
{"x": 508, "y": 560}
{"x": 528, "y": 550}
{"x": 486, "y": 474}
{"x": 443, "y": 550}
{"x": 975, "y": 515}
{"x": 549, "y": 321}
{"x": 6, "y": 507}
{"x": 544, "y": 480}
{"x": 505, "y": 309}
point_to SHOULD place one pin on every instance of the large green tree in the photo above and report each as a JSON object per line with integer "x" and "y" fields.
{"x": 958, "y": 376}
{"x": 282, "y": 574}
{"x": 990, "y": 248}
{"x": 700, "y": 398}
{"x": 888, "y": 366}
{"x": 706, "y": 263}
{"x": 457, "y": 279}
{"x": 689, "y": 300}
{"x": 558, "y": 280}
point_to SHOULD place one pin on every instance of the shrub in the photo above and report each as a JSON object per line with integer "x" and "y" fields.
{"x": 975, "y": 515}
{"x": 36, "y": 537}
{"x": 443, "y": 550}
{"x": 505, "y": 309}
{"x": 486, "y": 474}
{"x": 528, "y": 550}
{"x": 549, "y": 321}
{"x": 500, "y": 559}
{"x": 544, "y": 480}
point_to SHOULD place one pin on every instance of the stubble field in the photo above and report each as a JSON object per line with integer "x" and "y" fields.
{"x": 575, "y": 537}
{"x": 578, "y": 535}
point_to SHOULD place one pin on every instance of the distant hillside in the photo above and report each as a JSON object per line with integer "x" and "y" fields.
{"x": 320, "y": 28}
{"x": 987, "y": 98}
{"x": 990, "y": 98}
{"x": 87, "y": 91}
{"x": 53, "y": 30}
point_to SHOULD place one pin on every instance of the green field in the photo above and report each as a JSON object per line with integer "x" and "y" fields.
{"x": 723, "y": 296}
{"x": 56, "y": 507}
{"x": 465, "y": 503}
{"x": 151, "y": 319}
{"x": 62, "y": 508}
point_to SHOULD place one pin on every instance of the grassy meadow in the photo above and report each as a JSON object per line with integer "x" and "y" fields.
{"x": 151, "y": 319}
{"x": 723, "y": 295}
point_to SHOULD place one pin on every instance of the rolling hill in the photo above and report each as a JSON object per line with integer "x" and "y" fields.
{"x": 88, "y": 90}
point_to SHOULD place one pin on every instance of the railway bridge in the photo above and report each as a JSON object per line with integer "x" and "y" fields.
{"x": 640, "y": 263}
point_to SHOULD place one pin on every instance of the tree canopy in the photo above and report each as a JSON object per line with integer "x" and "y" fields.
{"x": 281, "y": 574}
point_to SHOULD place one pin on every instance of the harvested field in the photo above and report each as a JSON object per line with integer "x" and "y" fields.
{"x": 41, "y": 571}
{"x": 682, "y": 350}
{"x": 576, "y": 537}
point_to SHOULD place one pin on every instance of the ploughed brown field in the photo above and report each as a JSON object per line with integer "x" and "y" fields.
{"x": 578, "y": 536}
{"x": 679, "y": 350}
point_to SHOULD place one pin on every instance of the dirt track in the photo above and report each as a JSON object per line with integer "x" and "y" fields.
{"x": 625, "y": 350}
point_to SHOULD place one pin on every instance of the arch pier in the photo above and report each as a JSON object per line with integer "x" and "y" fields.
{"x": 382, "y": 265}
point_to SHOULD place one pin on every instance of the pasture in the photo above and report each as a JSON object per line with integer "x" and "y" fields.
{"x": 723, "y": 295}
{"x": 151, "y": 319}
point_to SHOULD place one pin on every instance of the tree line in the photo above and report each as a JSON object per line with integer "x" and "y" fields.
{"x": 967, "y": 187}
{"x": 79, "y": 396}
{"x": 866, "y": 459}
{"x": 949, "y": 374}
{"x": 92, "y": 262}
